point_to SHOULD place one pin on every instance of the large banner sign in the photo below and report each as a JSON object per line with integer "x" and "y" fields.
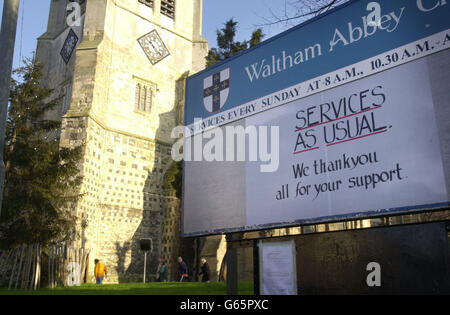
{"x": 342, "y": 117}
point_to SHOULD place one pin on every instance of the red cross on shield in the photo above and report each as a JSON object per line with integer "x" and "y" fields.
{"x": 216, "y": 89}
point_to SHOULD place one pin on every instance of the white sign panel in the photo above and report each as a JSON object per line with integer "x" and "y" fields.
{"x": 371, "y": 144}
{"x": 342, "y": 117}
{"x": 278, "y": 273}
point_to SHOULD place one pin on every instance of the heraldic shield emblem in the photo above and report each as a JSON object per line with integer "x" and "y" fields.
{"x": 216, "y": 89}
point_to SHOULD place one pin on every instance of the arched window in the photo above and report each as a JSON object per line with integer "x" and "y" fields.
{"x": 148, "y": 107}
{"x": 143, "y": 98}
{"x": 148, "y": 3}
{"x": 137, "y": 96}
{"x": 168, "y": 8}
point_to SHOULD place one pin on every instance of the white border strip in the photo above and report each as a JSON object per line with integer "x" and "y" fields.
{"x": 395, "y": 57}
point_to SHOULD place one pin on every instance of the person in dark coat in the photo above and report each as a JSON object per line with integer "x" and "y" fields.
{"x": 182, "y": 269}
{"x": 204, "y": 271}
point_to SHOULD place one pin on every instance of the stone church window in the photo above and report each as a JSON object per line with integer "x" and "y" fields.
{"x": 168, "y": 8}
{"x": 69, "y": 46}
{"x": 148, "y": 3}
{"x": 143, "y": 95}
{"x": 153, "y": 47}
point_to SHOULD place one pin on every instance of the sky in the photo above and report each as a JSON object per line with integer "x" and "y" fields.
{"x": 250, "y": 14}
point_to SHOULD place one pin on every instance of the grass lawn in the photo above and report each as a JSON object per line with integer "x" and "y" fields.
{"x": 153, "y": 288}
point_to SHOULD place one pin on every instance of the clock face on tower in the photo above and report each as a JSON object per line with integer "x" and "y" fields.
{"x": 153, "y": 47}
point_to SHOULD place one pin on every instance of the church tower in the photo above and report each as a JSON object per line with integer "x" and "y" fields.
{"x": 121, "y": 70}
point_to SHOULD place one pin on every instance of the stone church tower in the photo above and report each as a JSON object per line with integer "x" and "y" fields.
{"x": 121, "y": 70}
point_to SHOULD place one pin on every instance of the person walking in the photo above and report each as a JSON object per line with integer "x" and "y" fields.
{"x": 182, "y": 269}
{"x": 162, "y": 274}
{"x": 100, "y": 271}
{"x": 204, "y": 270}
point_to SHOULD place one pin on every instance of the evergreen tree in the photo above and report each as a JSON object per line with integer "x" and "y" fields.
{"x": 227, "y": 46}
{"x": 41, "y": 178}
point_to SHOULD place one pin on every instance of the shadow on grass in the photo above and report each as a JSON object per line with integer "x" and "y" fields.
{"x": 168, "y": 288}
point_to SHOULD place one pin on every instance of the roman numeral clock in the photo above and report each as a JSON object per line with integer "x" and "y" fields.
{"x": 153, "y": 47}
{"x": 69, "y": 46}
